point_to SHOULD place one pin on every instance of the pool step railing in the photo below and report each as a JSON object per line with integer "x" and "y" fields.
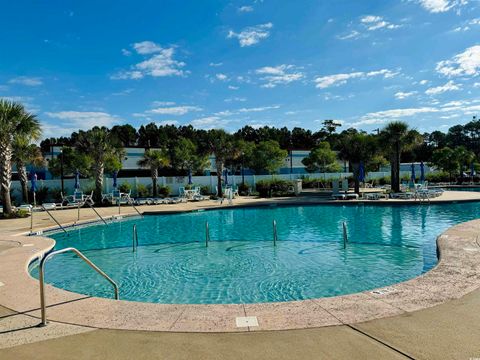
{"x": 275, "y": 236}
{"x": 53, "y": 218}
{"x": 96, "y": 212}
{"x": 207, "y": 234}
{"x": 41, "y": 277}
{"x": 345, "y": 235}
{"x": 134, "y": 238}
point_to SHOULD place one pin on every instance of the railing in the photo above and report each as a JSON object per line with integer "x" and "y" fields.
{"x": 345, "y": 235}
{"x": 207, "y": 234}
{"x": 96, "y": 212}
{"x": 53, "y": 218}
{"x": 134, "y": 238}
{"x": 275, "y": 236}
{"x": 41, "y": 278}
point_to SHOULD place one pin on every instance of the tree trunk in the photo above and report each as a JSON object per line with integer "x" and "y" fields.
{"x": 395, "y": 168}
{"x": 99, "y": 171}
{"x": 219, "y": 179}
{"x": 6, "y": 178}
{"x": 356, "y": 172}
{"x": 154, "y": 182}
{"x": 23, "y": 177}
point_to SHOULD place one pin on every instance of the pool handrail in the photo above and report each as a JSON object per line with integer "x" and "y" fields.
{"x": 41, "y": 277}
{"x": 134, "y": 238}
{"x": 275, "y": 236}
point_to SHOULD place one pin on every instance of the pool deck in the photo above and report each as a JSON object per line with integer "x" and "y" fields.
{"x": 385, "y": 323}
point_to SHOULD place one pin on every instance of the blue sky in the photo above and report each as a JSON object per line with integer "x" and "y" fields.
{"x": 230, "y": 63}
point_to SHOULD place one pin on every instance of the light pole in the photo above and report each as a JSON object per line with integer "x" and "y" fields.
{"x": 61, "y": 170}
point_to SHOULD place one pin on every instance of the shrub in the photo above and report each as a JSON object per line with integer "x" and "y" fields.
{"x": 164, "y": 191}
{"x": 41, "y": 195}
{"x": 143, "y": 191}
{"x": 125, "y": 187}
{"x": 437, "y": 177}
{"x": 243, "y": 189}
{"x": 274, "y": 187}
{"x": 205, "y": 190}
{"x": 56, "y": 195}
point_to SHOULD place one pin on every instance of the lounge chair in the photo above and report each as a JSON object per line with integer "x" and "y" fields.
{"x": 78, "y": 199}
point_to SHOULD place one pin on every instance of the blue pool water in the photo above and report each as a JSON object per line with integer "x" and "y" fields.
{"x": 387, "y": 244}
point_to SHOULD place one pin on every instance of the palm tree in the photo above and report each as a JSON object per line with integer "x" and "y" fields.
{"x": 25, "y": 153}
{"x": 14, "y": 121}
{"x": 105, "y": 151}
{"x": 220, "y": 143}
{"x": 397, "y": 137}
{"x": 154, "y": 159}
{"x": 357, "y": 148}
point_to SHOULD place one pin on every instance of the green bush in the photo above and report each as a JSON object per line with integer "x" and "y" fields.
{"x": 274, "y": 187}
{"x": 56, "y": 195}
{"x": 125, "y": 187}
{"x": 41, "y": 195}
{"x": 243, "y": 189}
{"x": 164, "y": 191}
{"x": 205, "y": 190}
{"x": 143, "y": 191}
{"x": 437, "y": 177}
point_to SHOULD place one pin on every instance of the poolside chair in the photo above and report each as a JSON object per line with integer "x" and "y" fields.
{"x": 78, "y": 199}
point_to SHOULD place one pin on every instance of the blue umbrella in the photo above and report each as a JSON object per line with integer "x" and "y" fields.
{"x": 77, "y": 180}
{"x": 422, "y": 172}
{"x": 190, "y": 177}
{"x": 226, "y": 177}
{"x": 413, "y": 173}
{"x": 472, "y": 170}
{"x": 115, "y": 179}
{"x": 361, "y": 172}
{"x": 34, "y": 182}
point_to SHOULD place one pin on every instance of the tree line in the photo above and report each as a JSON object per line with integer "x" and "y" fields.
{"x": 186, "y": 150}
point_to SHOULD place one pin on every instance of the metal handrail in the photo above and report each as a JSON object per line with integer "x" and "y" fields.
{"x": 49, "y": 214}
{"x": 207, "y": 234}
{"x": 134, "y": 238}
{"x": 130, "y": 201}
{"x": 96, "y": 212}
{"x": 41, "y": 277}
{"x": 345, "y": 235}
{"x": 275, "y": 236}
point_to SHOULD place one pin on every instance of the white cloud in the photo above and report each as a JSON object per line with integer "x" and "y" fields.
{"x": 221, "y": 77}
{"x": 377, "y": 22}
{"x": 258, "y": 109}
{"x": 278, "y": 75}
{"x": 403, "y": 95}
{"x": 449, "y": 86}
{"x": 167, "y": 122}
{"x": 77, "y": 120}
{"x": 212, "y": 64}
{"x": 466, "y": 63}
{"x": 423, "y": 82}
{"x": 476, "y": 85}
{"x": 173, "y": 110}
{"x": 354, "y": 34}
{"x": 235, "y": 98}
{"x": 163, "y": 103}
{"x": 126, "y": 52}
{"x": 27, "y": 81}
{"x": 245, "y": 9}
{"x": 439, "y": 6}
{"x": 340, "y": 79}
{"x": 232, "y": 87}
{"x": 382, "y": 117}
{"x": 251, "y": 35}
{"x": 158, "y": 63}
{"x": 209, "y": 122}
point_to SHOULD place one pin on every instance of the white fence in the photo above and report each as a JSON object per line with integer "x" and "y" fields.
{"x": 175, "y": 182}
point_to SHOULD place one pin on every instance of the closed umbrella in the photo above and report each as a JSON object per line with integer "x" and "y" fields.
{"x": 76, "y": 186}
{"x": 190, "y": 177}
{"x": 413, "y": 173}
{"x": 422, "y": 172}
{"x": 361, "y": 172}
{"x": 115, "y": 174}
{"x": 472, "y": 170}
{"x": 226, "y": 177}
{"x": 34, "y": 187}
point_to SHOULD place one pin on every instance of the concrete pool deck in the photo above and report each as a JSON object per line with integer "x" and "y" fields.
{"x": 457, "y": 274}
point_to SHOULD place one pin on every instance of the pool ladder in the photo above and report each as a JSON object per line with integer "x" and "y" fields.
{"x": 134, "y": 238}
{"x": 345, "y": 235}
{"x": 41, "y": 277}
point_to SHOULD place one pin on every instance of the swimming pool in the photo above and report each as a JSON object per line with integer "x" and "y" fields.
{"x": 387, "y": 244}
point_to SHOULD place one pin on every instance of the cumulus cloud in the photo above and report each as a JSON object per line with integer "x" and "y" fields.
{"x": 279, "y": 75}
{"x": 324, "y": 82}
{"x": 77, "y": 120}
{"x": 221, "y": 77}
{"x": 382, "y": 117}
{"x": 26, "y": 80}
{"x": 440, "y": 6}
{"x": 449, "y": 86}
{"x": 159, "y": 62}
{"x": 251, "y": 35}
{"x": 403, "y": 95}
{"x": 244, "y": 9}
{"x": 466, "y": 63}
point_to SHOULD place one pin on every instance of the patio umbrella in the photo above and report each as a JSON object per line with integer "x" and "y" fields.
{"x": 361, "y": 172}
{"x": 226, "y": 177}
{"x": 34, "y": 187}
{"x": 413, "y": 172}
{"x": 422, "y": 172}
{"x": 115, "y": 173}
{"x": 190, "y": 177}
{"x": 77, "y": 180}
